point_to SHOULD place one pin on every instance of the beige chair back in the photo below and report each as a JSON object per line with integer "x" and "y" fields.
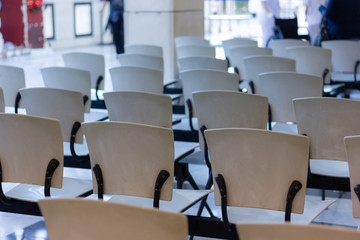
{"x": 195, "y": 51}
{"x": 137, "y": 79}
{"x": 282, "y": 87}
{"x": 141, "y": 60}
{"x": 69, "y": 79}
{"x": 326, "y": 121}
{"x": 144, "y": 49}
{"x": 227, "y": 109}
{"x": 207, "y": 80}
{"x": 64, "y": 105}
{"x": 139, "y": 107}
{"x": 345, "y": 53}
{"x": 260, "y": 64}
{"x": 352, "y": 145}
{"x": 193, "y": 63}
{"x": 11, "y": 80}
{"x": 279, "y": 45}
{"x": 2, "y": 101}
{"x": 27, "y": 144}
{"x": 237, "y": 54}
{"x": 94, "y": 63}
{"x": 294, "y": 231}
{"x": 190, "y": 40}
{"x": 237, "y": 42}
{"x": 311, "y": 60}
{"x": 78, "y": 219}
{"x": 131, "y": 156}
{"x": 259, "y": 166}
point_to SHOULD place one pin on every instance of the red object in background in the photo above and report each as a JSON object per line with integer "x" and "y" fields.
{"x": 12, "y": 25}
{"x": 34, "y": 4}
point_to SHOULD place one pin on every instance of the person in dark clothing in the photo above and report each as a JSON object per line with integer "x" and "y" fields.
{"x": 116, "y": 22}
{"x": 344, "y": 19}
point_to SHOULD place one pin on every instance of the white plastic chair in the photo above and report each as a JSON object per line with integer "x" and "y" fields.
{"x": 141, "y": 60}
{"x": 238, "y": 53}
{"x": 195, "y": 51}
{"x": 69, "y": 79}
{"x": 193, "y": 63}
{"x": 237, "y": 42}
{"x": 260, "y": 64}
{"x": 190, "y": 40}
{"x": 279, "y": 45}
{"x": 144, "y": 49}
{"x": 128, "y": 78}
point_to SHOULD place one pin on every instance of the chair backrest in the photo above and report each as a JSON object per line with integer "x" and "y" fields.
{"x": 238, "y": 53}
{"x": 137, "y": 79}
{"x": 192, "y": 63}
{"x": 191, "y": 40}
{"x": 326, "y": 121}
{"x": 92, "y": 220}
{"x": 144, "y": 49}
{"x": 2, "y": 101}
{"x": 345, "y": 53}
{"x": 195, "y": 51}
{"x": 27, "y": 145}
{"x": 257, "y": 164}
{"x": 11, "y": 80}
{"x": 311, "y": 60}
{"x": 64, "y": 105}
{"x": 139, "y": 107}
{"x": 206, "y": 80}
{"x": 296, "y": 231}
{"x": 260, "y": 64}
{"x": 94, "y": 63}
{"x": 282, "y": 87}
{"x": 352, "y": 145}
{"x": 227, "y": 109}
{"x": 279, "y": 45}
{"x": 141, "y": 60}
{"x": 237, "y": 42}
{"x": 69, "y": 79}
{"x": 131, "y": 156}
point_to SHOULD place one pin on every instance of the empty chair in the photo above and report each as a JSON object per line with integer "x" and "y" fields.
{"x": 31, "y": 152}
{"x": 260, "y": 64}
{"x": 69, "y": 79}
{"x": 326, "y": 121}
{"x": 281, "y": 88}
{"x": 11, "y": 80}
{"x": 129, "y": 78}
{"x": 141, "y": 60}
{"x": 257, "y": 172}
{"x": 193, "y": 63}
{"x": 94, "y": 63}
{"x": 296, "y": 231}
{"x": 236, "y": 42}
{"x": 144, "y": 49}
{"x": 311, "y": 60}
{"x": 195, "y": 51}
{"x": 143, "y": 175}
{"x": 238, "y": 53}
{"x": 190, "y": 40}
{"x": 279, "y": 45}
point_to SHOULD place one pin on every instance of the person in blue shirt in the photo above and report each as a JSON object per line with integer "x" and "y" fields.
{"x": 343, "y": 19}
{"x": 116, "y": 22}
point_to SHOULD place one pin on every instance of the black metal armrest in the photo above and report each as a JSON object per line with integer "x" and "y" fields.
{"x": 17, "y": 102}
{"x": 220, "y": 181}
{"x": 293, "y": 190}
{"x": 52, "y": 166}
{"x": 74, "y": 130}
{"x": 206, "y": 149}
{"x": 190, "y": 108}
{"x": 160, "y": 180}
{"x": 99, "y": 180}
{"x": 97, "y": 87}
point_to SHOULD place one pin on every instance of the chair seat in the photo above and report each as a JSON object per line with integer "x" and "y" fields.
{"x": 183, "y": 149}
{"x": 290, "y": 128}
{"x": 184, "y": 124}
{"x": 343, "y": 77}
{"x": 80, "y": 149}
{"x": 313, "y": 208}
{"x": 181, "y": 200}
{"x": 32, "y": 193}
{"x": 15, "y": 223}
{"x": 330, "y": 168}
{"x": 78, "y": 173}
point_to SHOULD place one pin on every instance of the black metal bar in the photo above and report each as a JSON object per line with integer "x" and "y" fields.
{"x": 206, "y": 149}
{"x": 17, "y": 102}
{"x": 269, "y": 117}
{"x": 85, "y": 99}
{"x": 222, "y": 188}
{"x": 3, "y": 198}
{"x": 357, "y": 190}
{"x": 190, "y": 108}
{"x": 252, "y": 86}
{"x": 97, "y": 87}
{"x": 52, "y": 166}
{"x": 74, "y": 130}
{"x": 99, "y": 180}
{"x": 203, "y": 203}
{"x": 293, "y": 190}
{"x": 355, "y": 70}
{"x": 160, "y": 180}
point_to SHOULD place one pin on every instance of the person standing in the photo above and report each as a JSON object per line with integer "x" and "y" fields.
{"x": 313, "y": 16}
{"x": 269, "y": 10}
{"x": 116, "y": 22}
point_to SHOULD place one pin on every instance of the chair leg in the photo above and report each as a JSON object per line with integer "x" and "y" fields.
{"x": 323, "y": 194}
{"x": 203, "y": 202}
